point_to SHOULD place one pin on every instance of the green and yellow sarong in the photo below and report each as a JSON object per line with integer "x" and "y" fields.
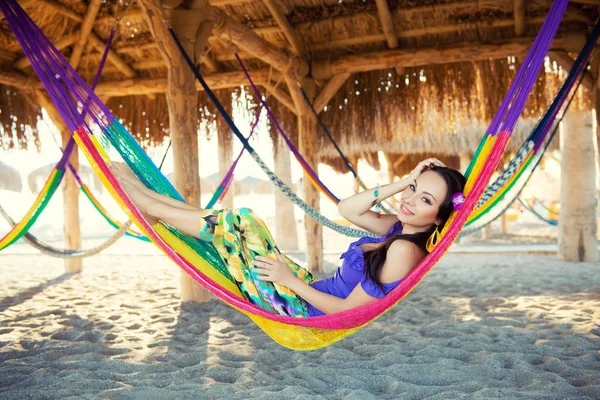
{"x": 240, "y": 236}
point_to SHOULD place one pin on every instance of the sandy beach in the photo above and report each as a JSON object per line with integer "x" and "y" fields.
{"x": 479, "y": 326}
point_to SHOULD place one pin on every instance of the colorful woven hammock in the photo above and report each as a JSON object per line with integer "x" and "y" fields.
{"x": 510, "y": 183}
{"x": 101, "y": 130}
{"x": 21, "y": 229}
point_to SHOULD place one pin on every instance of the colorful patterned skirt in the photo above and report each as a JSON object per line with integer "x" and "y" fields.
{"x": 240, "y": 236}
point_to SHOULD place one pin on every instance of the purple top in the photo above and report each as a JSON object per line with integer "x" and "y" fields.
{"x": 352, "y": 272}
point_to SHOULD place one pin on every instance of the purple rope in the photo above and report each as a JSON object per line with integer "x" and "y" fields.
{"x": 514, "y": 101}
{"x": 109, "y": 41}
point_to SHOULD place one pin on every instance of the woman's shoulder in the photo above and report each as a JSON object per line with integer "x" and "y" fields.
{"x": 401, "y": 257}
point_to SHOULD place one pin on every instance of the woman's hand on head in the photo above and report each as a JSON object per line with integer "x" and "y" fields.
{"x": 276, "y": 271}
{"x": 428, "y": 163}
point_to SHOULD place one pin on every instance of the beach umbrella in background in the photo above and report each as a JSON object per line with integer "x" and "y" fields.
{"x": 254, "y": 185}
{"x": 37, "y": 178}
{"x": 10, "y": 178}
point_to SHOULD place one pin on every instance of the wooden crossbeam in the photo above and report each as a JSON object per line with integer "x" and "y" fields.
{"x": 84, "y": 32}
{"x": 61, "y": 44}
{"x": 325, "y": 69}
{"x": 113, "y": 57}
{"x": 588, "y": 2}
{"x": 233, "y": 31}
{"x": 281, "y": 95}
{"x": 329, "y": 90}
{"x": 141, "y": 86}
{"x": 63, "y": 10}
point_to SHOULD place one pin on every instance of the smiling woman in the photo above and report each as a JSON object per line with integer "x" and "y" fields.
{"x": 372, "y": 267}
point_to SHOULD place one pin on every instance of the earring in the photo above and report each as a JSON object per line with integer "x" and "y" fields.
{"x": 433, "y": 240}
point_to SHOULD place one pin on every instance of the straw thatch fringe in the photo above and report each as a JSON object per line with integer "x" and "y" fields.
{"x": 16, "y": 116}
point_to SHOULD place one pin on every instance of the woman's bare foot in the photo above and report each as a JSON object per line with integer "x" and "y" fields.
{"x": 125, "y": 174}
{"x": 142, "y": 201}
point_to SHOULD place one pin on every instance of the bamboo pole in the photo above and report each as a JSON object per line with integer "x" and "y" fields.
{"x": 577, "y": 221}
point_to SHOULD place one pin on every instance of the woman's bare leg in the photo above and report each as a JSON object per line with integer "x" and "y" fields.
{"x": 125, "y": 174}
{"x": 186, "y": 220}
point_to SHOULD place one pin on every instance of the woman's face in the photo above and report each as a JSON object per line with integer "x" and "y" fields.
{"x": 420, "y": 202}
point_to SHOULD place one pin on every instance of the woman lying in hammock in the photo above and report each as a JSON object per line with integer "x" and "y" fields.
{"x": 372, "y": 267}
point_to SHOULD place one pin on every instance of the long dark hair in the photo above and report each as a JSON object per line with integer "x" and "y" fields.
{"x": 374, "y": 259}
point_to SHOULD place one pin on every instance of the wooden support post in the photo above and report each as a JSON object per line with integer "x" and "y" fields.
{"x": 182, "y": 101}
{"x": 286, "y": 233}
{"x": 307, "y": 133}
{"x": 504, "y": 223}
{"x": 577, "y": 222}
{"x": 225, "y": 161}
{"x": 72, "y": 230}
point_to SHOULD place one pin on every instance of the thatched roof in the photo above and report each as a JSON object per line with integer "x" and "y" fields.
{"x": 423, "y": 102}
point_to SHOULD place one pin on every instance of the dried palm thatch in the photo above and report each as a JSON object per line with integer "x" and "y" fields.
{"x": 440, "y": 108}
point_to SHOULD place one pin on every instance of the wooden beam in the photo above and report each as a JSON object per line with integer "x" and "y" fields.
{"x": 277, "y": 12}
{"x": 330, "y": 89}
{"x": 140, "y": 86}
{"x": 149, "y": 64}
{"x": 387, "y": 23}
{"x": 209, "y": 63}
{"x": 282, "y": 96}
{"x": 132, "y": 13}
{"x": 233, "y": 31}
{"x": 19, "y": 80}
{"x": 432, "y": 30}
{"x": 221, "y": 3}
{"x": 325, "y": 69}
{"x": 563, "y": 59}
{"x": 519, "y": 17}
{"x": 113, "y": 57}
{"x": 63, "y": 10}
{"x": 61, "y": 44}
{"x": 587, "y": 2}
{"x": 84, "y": 32}
{"x": 145, "y": 86}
